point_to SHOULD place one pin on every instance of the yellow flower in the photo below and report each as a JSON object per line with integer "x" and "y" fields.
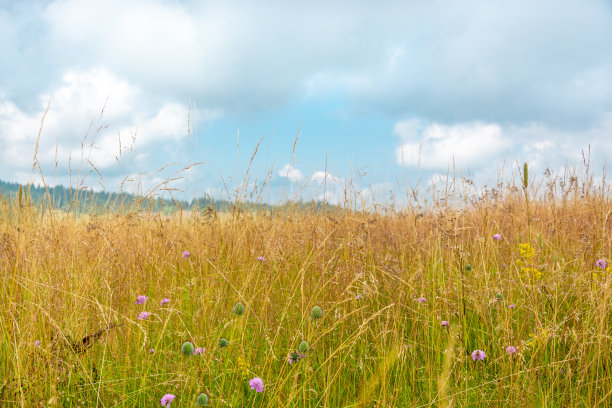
{"x": 526, "y": 251}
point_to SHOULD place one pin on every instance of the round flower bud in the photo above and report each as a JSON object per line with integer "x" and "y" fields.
{"x": 238, "y": 309}
{"x": 316, "y": 312}
{"x": 304, "y": 346}
{"x": 223, "y": 342}
{"x": 187, "y": 348}
{"x": 202, "y": 400}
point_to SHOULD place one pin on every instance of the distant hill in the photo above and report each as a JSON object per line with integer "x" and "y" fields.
{"x": 100, "y": 201}
{"x": 88, "y": 201}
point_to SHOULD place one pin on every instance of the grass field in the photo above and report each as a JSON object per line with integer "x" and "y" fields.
{"x": 407, "y": 299}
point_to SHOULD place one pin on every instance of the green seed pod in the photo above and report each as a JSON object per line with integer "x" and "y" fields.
{"x": 525, "y": 175}
{"x": 238, "y": 309}
{"x": 223, "y": 342}
{"x": 202, "y": 400}
{"x": 499, "y": 296}
{"x": 304, "y": 346}
{"x": 468, "y": 267}
{"x": 316, "y": 312}
{"x": 187, "y": 348}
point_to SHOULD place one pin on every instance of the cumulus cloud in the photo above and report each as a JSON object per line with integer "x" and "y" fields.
{"x": 94, "y": 118}
{"x": 481, "y": 147}
{"x": 436, "y": 146}
{"x": 291, "y": 173}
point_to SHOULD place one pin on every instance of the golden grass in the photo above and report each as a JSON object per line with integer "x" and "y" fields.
{"x": 71, "y": 283}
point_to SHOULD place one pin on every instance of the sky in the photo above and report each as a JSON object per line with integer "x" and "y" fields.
{"x": 380, "y": 96}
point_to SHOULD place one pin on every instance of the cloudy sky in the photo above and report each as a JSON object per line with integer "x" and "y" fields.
{"x": 383, "y": 95}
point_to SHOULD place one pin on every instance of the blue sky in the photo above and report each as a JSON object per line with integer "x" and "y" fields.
{"x": 388, "y": 94}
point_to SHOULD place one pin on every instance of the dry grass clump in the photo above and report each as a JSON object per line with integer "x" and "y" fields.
{"x": 70, "y": 332}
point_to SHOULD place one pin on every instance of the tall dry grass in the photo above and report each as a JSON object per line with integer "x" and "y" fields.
{"x": 71, "y": 284}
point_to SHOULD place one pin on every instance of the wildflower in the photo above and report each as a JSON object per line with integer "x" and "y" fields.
{"x": 421, "y": 300}
{"x": 151, "y": 351}
{"x": 243, "y": 367}
{"x": 164, "y": 301}
{"x": 261, "y": 258}
{"x": 526, "y": 251}
{"x": 199, "y": 350}
{"x": 256, "y": 384}
{"x": 316, "y": 312}
{"x": 144, "y": 316}
{"x": 187, "y": 348}
{"x": 444, "y": 323}
{"x": 167, "y": 399}
{"x": 478, "y": 355}
{"x": 358, "y": 296}
{"x": 512, "y": 306}
{"x": 499, "y": 296}
{"x": 202, "y": 400}
{"x": 497, "y": 237}
{"x": 141, "y": 299}
{"x": 294, "y": 357}
{"x": 186, "y": 254}
{"x": 601, "y": 263}
{"x": 510, "y": 350}
{"x": 37, "y": 343}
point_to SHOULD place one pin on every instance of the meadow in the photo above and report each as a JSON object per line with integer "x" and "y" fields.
{"x": 502, "y": 301}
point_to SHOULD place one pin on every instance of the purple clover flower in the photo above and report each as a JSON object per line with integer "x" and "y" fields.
{"x": 37, "y": 343}
{"x": 478, "y": 355}
{"x": 167, "y": 399}
{"x": 512, "y": 306}
{"x": 186, "y": 254}
{"x": 421, "y": 300}
{"x": 510, "y": 350}
{"x": 261, "y": 258}
{"x": 144, "y": 316}
{"x": 497, "y": 237}
{"x": 444, "y": 323}
{"x": 141, "y": 299}
{"x": 256, "y": 384}
{"x": 151, "y": 351}
{"x": 199, "y": 350}
{"x": 601, "y": 263}
{"x": 164, "y": 301}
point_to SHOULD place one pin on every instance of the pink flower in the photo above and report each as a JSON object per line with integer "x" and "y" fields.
{"x": 261, "y": 258}
{"x": 186, "y": 254}
{"x": 167, "y": 399}
{"x": 444, "y": 323}
{"x": 512, "y": 306}
{"x": 256, "y": 384}
{"x": 478, "y": 355}
{"x": 141, "y": 299}
{"x": 151, "y": 351}
{"x": 510, "y": 350}
{"x": 601, "y": 263}
{"x": 421, "y": 300}
{"x": 164, "y": 301}
{"x": 144, "y": 316}
{"x": 497, "y": 237}
{"x": 199, "y": 350}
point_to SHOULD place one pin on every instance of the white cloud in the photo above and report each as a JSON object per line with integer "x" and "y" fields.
{"x": 437, "y": 146}
{"x": 93, "y": 119}
{"x": 482, "y": 147}
{"x": 291, "y": 173}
